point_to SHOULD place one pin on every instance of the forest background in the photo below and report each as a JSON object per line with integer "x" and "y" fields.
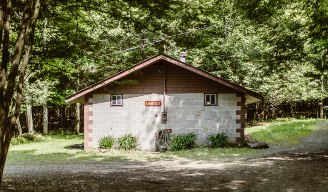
{"x": 53, "y": 48}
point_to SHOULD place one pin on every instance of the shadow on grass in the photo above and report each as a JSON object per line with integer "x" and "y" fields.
{"x": 75, "y": 147}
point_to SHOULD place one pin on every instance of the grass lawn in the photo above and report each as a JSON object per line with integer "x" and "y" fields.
{"x": 56, "y": 148}
{"x": 284, "y": 131}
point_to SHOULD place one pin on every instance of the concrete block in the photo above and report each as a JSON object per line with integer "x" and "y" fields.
{"x": 100, "y": 126}
{"x": 231, "y": 113}
{"x": 193, "y": 130}
{"x": 116, "y": 108}
{"x": 192, "y": 104}
{"x": 97, "y": 122}
{"x": 118, "y": 122}
{"x": 231, "y": 139}
{"x": 172, "y": 126}
{"x": 130, "y": 122}
{"x": 185, "y": 112}
{"x": 236, "y": 135}
{"x": 185, "y": 95}
{"x": 101, "y": 117}
{"x": 231, "y": 103}
{"x": 223, "y": 113}
{"x": 222, "y": 97}
{"x": 209, "y": 117}
{"x": 129, "y": 104}
{"x": 141, "y": 104}
{"x": 178, "y": 131}
{"x": 92, "y": 126}
{"x": 237, "y": 108}
{"x": 130, "y": 130}
{"x": 190, "y": 117}
{"x": 120, "y": 118}
{"x": 195, "y": 113}
{"x": 138, "y": 126}
{"x": 107, "y": 131}
{"x": 107, "y": 122}
{"x": 176, "y": 122}
{"x": 189, "y": 99}
{"x": 185, "y": 126}
{"x": 208, "y": 108}
{"x": 222, "y": 103}
{"x": 96, "y": 131}
{"x": 130, "y": 114}
{"x": 105, "y": 104}
{"x": 198, "y": 108}
{"x": 212, "y": 113}
{"x": 231, "y": 130}
{"x": 192, "y": 122}
{"x": 121, "y": 113}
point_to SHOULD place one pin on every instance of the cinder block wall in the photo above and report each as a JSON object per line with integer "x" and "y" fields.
{"x": 186, "y": 114}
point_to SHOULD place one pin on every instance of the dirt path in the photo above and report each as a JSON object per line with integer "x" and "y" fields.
{"x": 301, "y": 168}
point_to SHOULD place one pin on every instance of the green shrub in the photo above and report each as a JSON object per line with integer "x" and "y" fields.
{"x": 182, "y": 141}
{"x": 27, "y": 138}
{"x": 106, "y": 142}
{"x": 218, "y": 140}
{"x": 127, "y": 142}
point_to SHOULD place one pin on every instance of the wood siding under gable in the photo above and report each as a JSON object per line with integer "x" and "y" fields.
{"x": 150, "y": 80}
{"x": 178, "y": 80}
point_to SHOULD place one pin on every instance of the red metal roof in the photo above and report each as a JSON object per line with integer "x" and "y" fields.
{"x": 151, "y": 61}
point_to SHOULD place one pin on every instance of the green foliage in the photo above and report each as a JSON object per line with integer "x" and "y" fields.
{"x": 106, "y": 142}
{"x": 27, "y": 138}
{"x": 127, "y": 142}
{"x": 218, "y": 140}
{"x": 182, "y": 141}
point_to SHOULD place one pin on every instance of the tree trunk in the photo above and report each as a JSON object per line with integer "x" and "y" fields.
{"x": 19, "y": 127}
{"x": 263, "y": 111}
{"x": 45, "y": 119}
{"x": 29, "y": 119}
{"x": 63, "y": 116}
{"x": 8, "y": 83}
{"x": 77, "y": 118}
{"x": 321, "y": 109}
{"x": 256, "y": 114}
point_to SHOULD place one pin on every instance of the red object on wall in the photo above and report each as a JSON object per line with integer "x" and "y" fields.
{"x": 152, "y": 103}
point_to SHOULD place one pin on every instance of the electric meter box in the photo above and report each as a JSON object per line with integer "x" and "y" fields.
{"x": 164, "y": 116}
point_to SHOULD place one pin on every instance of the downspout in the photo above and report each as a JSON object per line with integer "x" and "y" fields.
{"x": 164, "y": 86}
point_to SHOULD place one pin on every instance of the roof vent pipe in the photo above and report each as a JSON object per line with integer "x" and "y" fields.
{"x": 183, "y": 56}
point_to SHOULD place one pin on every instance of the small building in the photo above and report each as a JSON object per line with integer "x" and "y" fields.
{"x": 164, "y": 93}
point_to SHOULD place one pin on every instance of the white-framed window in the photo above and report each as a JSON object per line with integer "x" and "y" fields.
{"x": 116, "y": 100}
{"x": 210, "y": 99}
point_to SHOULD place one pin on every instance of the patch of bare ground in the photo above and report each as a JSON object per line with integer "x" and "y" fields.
{"x": 299, "y": 168}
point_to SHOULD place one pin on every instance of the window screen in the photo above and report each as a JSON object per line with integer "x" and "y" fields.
{"x": 210, "y": 99}
{"x": 116, "y": 100}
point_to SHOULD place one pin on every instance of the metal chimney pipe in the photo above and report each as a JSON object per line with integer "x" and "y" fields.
{"x": 183, "y": 56}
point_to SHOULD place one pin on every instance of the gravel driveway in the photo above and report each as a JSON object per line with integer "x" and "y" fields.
{"x": 303, "y": 167}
